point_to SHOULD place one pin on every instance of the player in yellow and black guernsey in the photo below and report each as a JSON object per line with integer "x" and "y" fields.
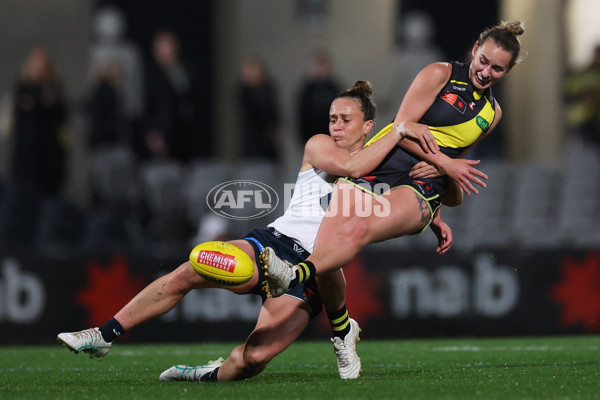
{"x": 457, "y": 118}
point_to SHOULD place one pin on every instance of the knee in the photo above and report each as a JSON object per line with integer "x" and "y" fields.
{"x": 256, "y": 358}
{"x": 183, "y": 279}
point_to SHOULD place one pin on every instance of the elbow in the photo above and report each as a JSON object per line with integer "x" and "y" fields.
{"x": 356, "y": 172}
{"x": 455, "y": 200}
{"x": 452, "y": 202}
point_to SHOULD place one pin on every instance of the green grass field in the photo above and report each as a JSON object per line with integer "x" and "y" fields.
{"x": 508, "y": 368}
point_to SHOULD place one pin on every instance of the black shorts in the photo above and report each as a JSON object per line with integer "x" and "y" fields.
{"x": 393, "y": 172}
{"x": 286, "y": 249}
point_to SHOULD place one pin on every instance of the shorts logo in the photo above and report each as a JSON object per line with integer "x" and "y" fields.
{"x": 298, "y": 249}
{"x": 482, "y": 123}
{"x": 455, "y": 101}
{"x": 242, "y": 200}
{"x": 423, "y": 187}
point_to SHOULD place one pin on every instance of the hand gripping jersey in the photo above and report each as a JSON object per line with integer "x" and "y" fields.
{"x": 306, "y": 209}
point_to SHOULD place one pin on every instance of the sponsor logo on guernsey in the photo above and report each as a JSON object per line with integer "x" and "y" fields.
{"x": 455, "y": 101}
{"x": 482, "y": 123}
{"x": 225, "y": 262}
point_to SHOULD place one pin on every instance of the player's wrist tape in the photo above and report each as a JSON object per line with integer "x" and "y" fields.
{"x": 401, "y": 129}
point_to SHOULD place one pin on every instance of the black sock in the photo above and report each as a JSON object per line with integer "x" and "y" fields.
{"x": 211, "y": 376}
{"x": 304, "y": 271}
{"x": 111, "y": 330}
{"x": 340, "y": 322}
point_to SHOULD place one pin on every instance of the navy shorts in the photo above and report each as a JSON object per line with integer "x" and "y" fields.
{"x": 286, "y": 249}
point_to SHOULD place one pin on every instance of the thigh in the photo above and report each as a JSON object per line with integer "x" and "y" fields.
{"x": 406, "y": 213}
{"x": 338, "y": 212}
{"x": 398, "y": 212}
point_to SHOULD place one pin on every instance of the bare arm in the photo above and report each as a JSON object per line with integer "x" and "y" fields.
{"x": 322, "y": 152}
{"x": 442, "y": 231}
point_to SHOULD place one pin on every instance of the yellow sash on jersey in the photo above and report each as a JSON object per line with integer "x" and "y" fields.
{"x": 380, "y": 134}
{"x": 455, "y": 136}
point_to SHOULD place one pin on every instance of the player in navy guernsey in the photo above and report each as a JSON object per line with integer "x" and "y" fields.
{"x": 292, "y": 236}
{"x": 454, "y": 102}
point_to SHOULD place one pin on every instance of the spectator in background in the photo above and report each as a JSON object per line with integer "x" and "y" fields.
{"x": 317, "y": 92}
{"x": 107, "y": 123}
{"x": 39, "y": 116}
{"x": 172, "y": 105}
{"x": 582, "y": 89}
{"x": 259, "y": 111}
{"x": 116, "y": 73}
{"x": 415, "y": 49}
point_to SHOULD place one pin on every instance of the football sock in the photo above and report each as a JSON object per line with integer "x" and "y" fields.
{"x": 340, "y": 322}
{"x": 304, "y": 271}
{"x": 111, "y": 330}
{"x": 211, "y": 376}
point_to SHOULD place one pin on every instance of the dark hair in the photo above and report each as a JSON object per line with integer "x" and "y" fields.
{"x": 363, "y": 92}
{"x": 506, "y": 35}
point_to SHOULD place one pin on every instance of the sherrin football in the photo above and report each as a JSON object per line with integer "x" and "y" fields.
{"x": 222, "y": 263}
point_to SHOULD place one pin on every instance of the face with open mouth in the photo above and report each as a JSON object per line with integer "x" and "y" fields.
{"x": 490, "y": 63}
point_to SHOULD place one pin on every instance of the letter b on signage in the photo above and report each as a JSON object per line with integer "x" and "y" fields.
{"x": 22, "y": 295}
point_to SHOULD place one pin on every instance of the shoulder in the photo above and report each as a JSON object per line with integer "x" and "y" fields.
{"x": 318, "y": 141}
{"x": 314, "y": 149}
{"x": 434, "y": 76}
{"x": 438, "y": 71}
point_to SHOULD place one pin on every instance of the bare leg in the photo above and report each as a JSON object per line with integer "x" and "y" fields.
{"x": 342, "y": 235}
{"x": 280, "y": 322}
{"x": 164, "y": 293}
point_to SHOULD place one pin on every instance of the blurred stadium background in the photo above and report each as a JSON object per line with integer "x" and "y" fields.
{"x": 526, "y": 258}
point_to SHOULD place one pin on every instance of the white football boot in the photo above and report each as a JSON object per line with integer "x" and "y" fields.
{"x": 89, "y": 341}
{"x": 345, "y": 350}
{"x": 278, "y": 273}
{"x": 187, "y": 373}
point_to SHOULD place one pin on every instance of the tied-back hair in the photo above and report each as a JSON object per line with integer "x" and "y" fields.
{"x": 506, "y": 35}
{"x": 363, "y": 92}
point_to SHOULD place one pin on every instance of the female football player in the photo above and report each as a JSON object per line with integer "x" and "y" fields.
{"x": 452, "y": 99}
{"x": 281, "y": 320}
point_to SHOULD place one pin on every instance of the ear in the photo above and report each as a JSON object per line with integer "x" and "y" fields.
{"x": 474, "y": 50}
{"x": 367, "y": 126}
{"x": 510, "y": 67}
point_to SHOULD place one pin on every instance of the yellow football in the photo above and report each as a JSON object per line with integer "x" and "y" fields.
{"x": 222, "y": 262}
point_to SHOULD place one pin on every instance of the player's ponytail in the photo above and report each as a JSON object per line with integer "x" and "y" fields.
{"x": 506, "y": 35}
{"x": 363, "y": 91}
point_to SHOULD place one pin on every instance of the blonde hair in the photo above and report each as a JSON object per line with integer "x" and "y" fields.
{"x": 506, "y": 35}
